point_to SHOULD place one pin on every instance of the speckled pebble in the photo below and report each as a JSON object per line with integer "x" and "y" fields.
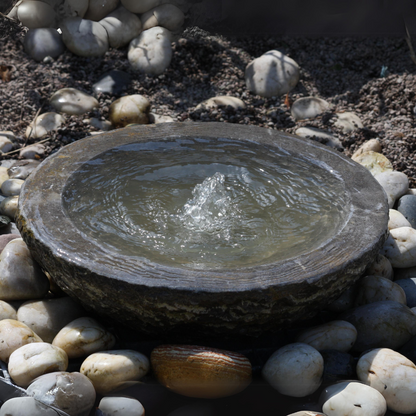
{"x": 111, "y": 370}
{"x": 381, "y": 267}
{"x": 13, "y": 335}
{"x": 353, "y": 399}
{"x": 47, "y": 317}
{"x": 295, "y": 370}
{"x": 375, "y": 162}
{"x": 400, "y": 247}
{"x": 121, "y": 406}
{"x": 381, "y": 324}
{"x": 397, "y": 220}
{"x": 35, "y": 359}
{"x": 376, "y": 288}
{"x": 348, "y": 122}
{"x": 393, "y": 375}
{"x": 334, "y": 335}
{"x": 83, "y": 336}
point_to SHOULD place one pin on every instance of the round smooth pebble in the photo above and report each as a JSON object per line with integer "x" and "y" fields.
{"x": 397, "y": 220}
{"x": 7, "y": 311}
{"x": 157, "y": 119}
{"x": 33, "y": 360}
{"x": 376, "y": 288}
{"x": 13, "y": 335}
{"x": 328, "y": 138}
{"x": 24, "y": 406}
{"x": 334, "y": 335}
{"x": 406, "y": 205}
{"x": 47, "y": 317}
{"x": 345, "y": 301}
{"x": 21, "y": 169}
{"x": 395, "y": 184}
{"x": 338, "y": 366}
{"x": 372, "y": 145}
{"x": 73, "y": 101}
{"x": 20, "y": 277}
{"x": 386, "y": 324}
{"x": 113, "y": 82}
{"x": 5, "y": 144}
{"x": 393, "y": 375}
{"x": 272, "y": 74}
{"x": 36, "y": 14}
{"x": 225, "y": 100}
{"x": 102, "y": 125}
{"x": 84, "y": 37}
{"x": 43, "y": 124}
{"x": 129, "y": 109}
{"x": 140, "y": 6}
{"x": 202, "y": 372}
{"x": 381, "y": 267}
{"x": 8, "y": 207}
{"x": 11, "y": 187}
{"x": 168, "y": 16}
{"x": 119, "y": 405}
{"x": 295, "y": 370}
{"x": 111, "y": 370}
{"x": 34, "y": 151}
{"x": 122, "y": 26}
{"x": 348, "y": 122}
{"x": 71, "y": 392}
{"x": 74, "y": 8}
{"x": 151, "y": 51}
{"x": 353, "y": 399}
{"x": 98, "y": 9}
{"x": 4, "y": 176}
{"x": 409, "y": 288}
{"x": 42, "y": 42}
{"x": 400, "y": 247}
{"x": 308, "y": 107}
{"x": 375, "y": 162}
{"x": 83, "y": 336}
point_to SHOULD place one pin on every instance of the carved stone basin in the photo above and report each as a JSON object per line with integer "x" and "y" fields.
{"x": 157, "y": 290}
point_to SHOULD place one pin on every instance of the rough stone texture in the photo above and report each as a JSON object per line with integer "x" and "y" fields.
{"x": 253, "y": 300}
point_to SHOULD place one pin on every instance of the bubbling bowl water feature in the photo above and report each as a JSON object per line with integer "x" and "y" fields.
{"x": 205, "y": 227}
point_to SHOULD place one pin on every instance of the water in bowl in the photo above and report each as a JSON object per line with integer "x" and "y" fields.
{"x": 202, "y": 203}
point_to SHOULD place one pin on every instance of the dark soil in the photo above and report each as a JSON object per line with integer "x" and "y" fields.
{"x": 344, "y": 71}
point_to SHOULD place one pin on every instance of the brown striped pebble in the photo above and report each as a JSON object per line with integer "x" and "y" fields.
{"x": 202, "y": 372}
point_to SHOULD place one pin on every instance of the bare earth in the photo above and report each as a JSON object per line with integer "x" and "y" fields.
{"x": 343, "y": 71}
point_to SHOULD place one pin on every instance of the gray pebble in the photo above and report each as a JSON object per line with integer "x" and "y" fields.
{"x": 118, "y": 405}
{"x": 42, "y": 42}
{"x": 406, "y": 205}
{"x": 409, "y": 287}
{"x": 113, "y": 82}
{"x": 22, "y": 169}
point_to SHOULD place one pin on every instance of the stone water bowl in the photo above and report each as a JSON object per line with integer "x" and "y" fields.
{"x": 160, "y": 295}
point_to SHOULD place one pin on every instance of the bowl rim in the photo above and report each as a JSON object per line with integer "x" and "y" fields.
{"x": 41, "y": 216}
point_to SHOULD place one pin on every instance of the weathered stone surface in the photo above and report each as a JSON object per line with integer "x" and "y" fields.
{"x": 111, "y": 285}
{"x": 272, "y": 74}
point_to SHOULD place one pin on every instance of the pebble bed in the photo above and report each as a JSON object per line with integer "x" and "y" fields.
{"x": 355, "y": 358}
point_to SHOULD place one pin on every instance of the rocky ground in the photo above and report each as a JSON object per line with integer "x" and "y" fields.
{"x": 374, "y": 77}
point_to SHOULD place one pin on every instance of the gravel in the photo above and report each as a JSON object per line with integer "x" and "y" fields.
{"x": 373, "y": 77}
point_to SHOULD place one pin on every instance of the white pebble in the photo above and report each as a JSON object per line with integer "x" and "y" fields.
{"x": 308, "y": 107}
{"x": 33, "y": 360}
{"x": 73, "y": 101}
{"x": 34, "y": 151}
{"x": 125, "y": 406}
{"x": 168, "y": 16}
{"x": 43, "y": 124}
{"x": 395, "y": 184}
{"x": 397, "y": 220}
{"x": 295, "y": 370}
{"x": 11, "y": 187}
{"x": 348, "y": 122}
{"x": 400, "y": 247}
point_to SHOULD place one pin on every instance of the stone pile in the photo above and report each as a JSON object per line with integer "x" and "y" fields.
{"x": 42, "y": 332}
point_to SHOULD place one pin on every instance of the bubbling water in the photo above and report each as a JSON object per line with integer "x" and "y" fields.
{"x": 205, "y": 204}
